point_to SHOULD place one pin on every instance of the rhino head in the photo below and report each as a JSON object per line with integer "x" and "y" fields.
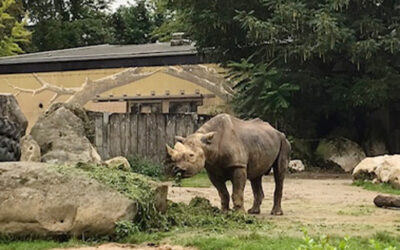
{"x": 188, "y": 153}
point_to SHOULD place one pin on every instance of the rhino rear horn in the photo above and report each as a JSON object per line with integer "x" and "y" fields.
{"x": 179, "y": 138}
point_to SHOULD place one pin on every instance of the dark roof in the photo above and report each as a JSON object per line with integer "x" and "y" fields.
{"x": 100, "y": 56}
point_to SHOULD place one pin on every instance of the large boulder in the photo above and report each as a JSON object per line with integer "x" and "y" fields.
{"x": 9, "y": 108}
{"x": 341, "y": 151}
{"x": 35, "y": 199}
{"x": 39, "y": 199}
{"x": 62, "y": 134}
{"x": 384, "y": 169}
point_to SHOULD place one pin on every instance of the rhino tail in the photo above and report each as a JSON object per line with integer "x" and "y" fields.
{"x": 282, "y": 163}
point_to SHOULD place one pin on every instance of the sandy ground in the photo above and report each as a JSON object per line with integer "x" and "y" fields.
{"x": 326, "y": 204}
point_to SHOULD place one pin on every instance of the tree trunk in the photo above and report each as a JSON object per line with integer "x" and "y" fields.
{"x": 387, "y": 201}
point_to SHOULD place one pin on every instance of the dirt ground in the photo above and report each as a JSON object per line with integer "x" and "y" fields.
{"x": 326, "y": 204}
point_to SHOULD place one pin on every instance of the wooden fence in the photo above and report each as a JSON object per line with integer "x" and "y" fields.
{"x": 143, "y": 135}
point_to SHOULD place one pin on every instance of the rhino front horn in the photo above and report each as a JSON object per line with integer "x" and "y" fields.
{"x": 170, "y": 151}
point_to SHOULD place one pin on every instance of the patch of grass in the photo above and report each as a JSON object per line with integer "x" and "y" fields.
{"x": 200, "y": 180}
{"x": 262, "y": 241}
{"x": 252, "y": 241}
{"x": 38, "y": 244}
{"x": 379, "y": 187}
{"x": 357, "y": 210}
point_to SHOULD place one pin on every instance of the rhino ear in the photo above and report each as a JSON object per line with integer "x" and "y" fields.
{"x": 171, "y": 152}
{"x": 207, "y": 138}
{"x": 179, "y": 138}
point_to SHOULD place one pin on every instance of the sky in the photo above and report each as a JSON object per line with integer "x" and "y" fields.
{"x": 118, "y": 3}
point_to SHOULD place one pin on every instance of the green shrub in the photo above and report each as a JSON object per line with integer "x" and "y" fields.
{"x": 146, "y": 167}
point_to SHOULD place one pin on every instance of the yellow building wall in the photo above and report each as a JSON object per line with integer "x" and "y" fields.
{"x": 34, "y": 104}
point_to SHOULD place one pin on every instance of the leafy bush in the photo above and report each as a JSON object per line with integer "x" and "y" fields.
{"x": 145, "y": 167}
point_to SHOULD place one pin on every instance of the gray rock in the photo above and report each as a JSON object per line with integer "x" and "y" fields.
{"x": 296, "y": 166}
{"x": 118, "y": 162}
{"x": 343, "y": 152}
{"x": 9, "y": 108}
{"x": 37, "y": 200}
{"x": 61, "y": 135}
{"x": 30, "y": 150}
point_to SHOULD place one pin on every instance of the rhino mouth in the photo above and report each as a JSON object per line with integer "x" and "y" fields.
{"x": 179, "y": 171}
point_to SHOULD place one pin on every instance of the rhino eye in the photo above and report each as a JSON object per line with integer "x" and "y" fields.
{"x": 191, "y": 155}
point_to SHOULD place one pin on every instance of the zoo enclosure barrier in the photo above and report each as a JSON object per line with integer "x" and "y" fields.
{"x": 144, "y": 135}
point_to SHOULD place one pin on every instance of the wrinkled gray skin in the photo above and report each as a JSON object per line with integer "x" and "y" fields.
{"x": 235, "y": 150}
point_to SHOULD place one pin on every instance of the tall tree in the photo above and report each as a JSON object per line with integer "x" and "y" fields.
{"x": 343, "y": 54}
{"x": 133, "y": 24}
{"x": 63, "y": 24}
{"x": 12, "y": 28}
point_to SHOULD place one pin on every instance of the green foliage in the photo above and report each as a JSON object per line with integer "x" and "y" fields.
{"x": 336, "y": 60}
{"x": 260, "y": 91}
{"x": 325, "y": 243}
{"x": 145, "y": 167}
{"x": 201, "y": 214}
{"x": 322, "y": 243}
{"x": 13, "y": 33}
{"x": 132, "y": 24}
{"x": 67, "y": 24}
{"x": 379, "y": 187}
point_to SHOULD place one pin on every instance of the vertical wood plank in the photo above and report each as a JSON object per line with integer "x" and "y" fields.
{"x": 161, "y": 137}
{"x": 122, "y": 132}
{"x": 189, "y": 124}
{"x": 170, "y": 128}
{"x": 142, "y": 135}
{"x": 180, "y": 125}
{"x": 99, "y": 135}
{"x": 106, "y": 135}
{"x": 115, "y": 135}
{"x": 127, "y": 134}
{"x": 133, "y": 134}
{"x": 151, "y": 130}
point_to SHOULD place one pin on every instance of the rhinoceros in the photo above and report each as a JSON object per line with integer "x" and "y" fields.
{"x": 233, "y": 149}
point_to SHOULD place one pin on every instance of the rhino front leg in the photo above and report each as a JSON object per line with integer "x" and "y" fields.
{"x": 223, "y": 193}
{"x": 256, "y": 185}
{"x": 239, "y": 178}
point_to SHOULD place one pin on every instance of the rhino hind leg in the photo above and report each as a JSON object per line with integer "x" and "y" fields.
{"x": 256, "y": 185}
{"x": 280, "y": 167}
